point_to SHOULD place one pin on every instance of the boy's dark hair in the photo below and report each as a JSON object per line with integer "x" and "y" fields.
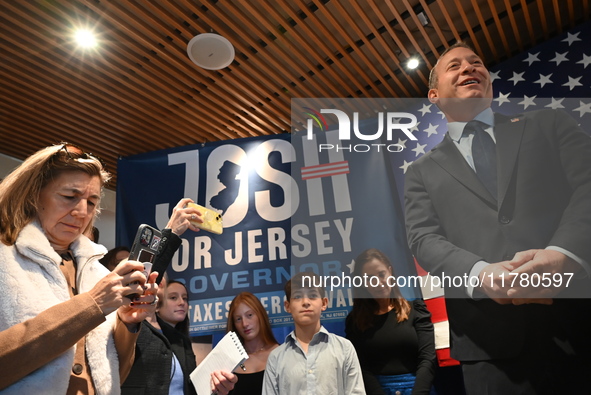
{"x": 304, "y": 280}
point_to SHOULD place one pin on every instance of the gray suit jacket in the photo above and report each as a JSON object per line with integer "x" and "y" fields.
{"x": 544, "y": 198}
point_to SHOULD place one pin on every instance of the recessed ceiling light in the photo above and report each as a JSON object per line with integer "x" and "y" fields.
{"x": 412, "y": 63}
{"x": 85, "y": 38}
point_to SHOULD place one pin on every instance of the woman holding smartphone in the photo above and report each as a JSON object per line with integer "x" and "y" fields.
{"x": 164, "y": 358}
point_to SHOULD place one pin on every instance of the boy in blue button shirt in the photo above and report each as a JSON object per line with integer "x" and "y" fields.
{"x": 312, "y": 360}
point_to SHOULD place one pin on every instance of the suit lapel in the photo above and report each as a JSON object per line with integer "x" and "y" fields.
{"x": 451, "y": 160}
{"x": 508, "y": 134}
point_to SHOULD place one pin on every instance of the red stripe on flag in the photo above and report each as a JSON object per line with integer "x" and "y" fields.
{"x": 420, "y": 270}
{"x": 436, "y": 307}
{"x": 326, "y": 175}
{"x": 326, "y": 170}
{"x": 444, "y": 358}
{"x": 324, "y": 165}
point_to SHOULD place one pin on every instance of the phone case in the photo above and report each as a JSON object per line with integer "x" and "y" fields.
{"x": 146, "y": 244}
{"x": 212, "y": 220}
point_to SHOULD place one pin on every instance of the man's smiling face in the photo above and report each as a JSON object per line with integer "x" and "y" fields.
{"x": 461, "y": 75}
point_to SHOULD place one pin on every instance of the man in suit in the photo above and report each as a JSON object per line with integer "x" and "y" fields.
{"x": 497, "y": 198}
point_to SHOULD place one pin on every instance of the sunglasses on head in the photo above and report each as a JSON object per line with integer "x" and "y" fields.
{"x": 76, "y": 153}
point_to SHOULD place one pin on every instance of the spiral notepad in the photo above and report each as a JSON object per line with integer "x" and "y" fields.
{"x": 226, "y": 355}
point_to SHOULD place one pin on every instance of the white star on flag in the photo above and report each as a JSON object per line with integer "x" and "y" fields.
{"x": 426, "y": 109}
{"x": 402, "y": 142}
{"x": 572, "y": 82}
{"x": 543, "y": 80}
{"x": 532, "y": 58}
{"x": 555, "y": 74}
{"x": 583, "y": 108}
{"x": 571, "y": 38}
{"x": 432, "y": 129}
{"x": 415, "y": 128}
{"x": 517, "y": 77}
{"x": 556, "y": 104}
{"x": 419, "y": 149}
{"x": 527, "y": 101}
{"x": 503, "y": 98}
{"x": 405, "y": 165}
{"x": 585, "y": 61}
{"x": 494, "y": 75}
{"x": 559, "y": 58}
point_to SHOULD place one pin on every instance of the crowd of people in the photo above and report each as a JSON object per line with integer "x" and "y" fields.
{"x": 101, "y": 326}
{"x": 498, "y": 195}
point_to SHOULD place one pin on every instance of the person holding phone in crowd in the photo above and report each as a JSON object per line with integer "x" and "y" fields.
{"x": 248, "y": 318}
{"x": 164, "y": 356}
{"x": 66, "y": 325}
{"x": 393, "y": 337}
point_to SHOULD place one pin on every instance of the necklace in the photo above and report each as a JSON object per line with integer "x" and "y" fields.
{"x": 256, "y": 351}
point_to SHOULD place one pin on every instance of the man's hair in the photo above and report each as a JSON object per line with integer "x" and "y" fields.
{"x": 304, "y": 280}
{"x": 19, "y": 192}
{"x": 433, "y": 79}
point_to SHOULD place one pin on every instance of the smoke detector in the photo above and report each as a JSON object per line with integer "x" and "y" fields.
{"x": 210, "y": 51}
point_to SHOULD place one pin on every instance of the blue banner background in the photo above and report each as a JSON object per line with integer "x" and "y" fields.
{"x": 255, "y": 181}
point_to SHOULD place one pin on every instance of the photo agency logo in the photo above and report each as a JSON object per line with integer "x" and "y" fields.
{"x": 390, "y": 123}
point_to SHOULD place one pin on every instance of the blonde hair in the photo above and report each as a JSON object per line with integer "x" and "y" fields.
{"x": 19, "y": 191}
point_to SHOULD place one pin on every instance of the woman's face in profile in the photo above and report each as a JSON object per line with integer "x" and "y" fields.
{"x": 246, "y": 322}
{"x": 378, "y": 274}
{"x": 67, "y": 204}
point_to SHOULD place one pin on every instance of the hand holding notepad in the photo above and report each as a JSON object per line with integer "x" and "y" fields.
{"x": 226, "y": 355}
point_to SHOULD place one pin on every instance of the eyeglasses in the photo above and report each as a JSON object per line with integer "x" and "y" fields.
{"x": 76, "y": 153}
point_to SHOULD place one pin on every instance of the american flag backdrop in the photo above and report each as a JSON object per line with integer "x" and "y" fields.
{"x": 555, "y": 74}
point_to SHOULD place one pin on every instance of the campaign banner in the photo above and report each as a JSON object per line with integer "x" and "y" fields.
{"x": 280, "y": 216}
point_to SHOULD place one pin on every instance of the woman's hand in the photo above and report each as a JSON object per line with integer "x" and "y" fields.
{"x": 222, "y": 382}
{"x": 127, "y": 278}
{"x": 142, "y": 306}
{"x": 179, "y": 220}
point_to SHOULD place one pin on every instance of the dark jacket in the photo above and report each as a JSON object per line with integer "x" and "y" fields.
{"x": 150, "y": 374}
{"x": 151, "y": 371}
{"x": 544, "y": 199}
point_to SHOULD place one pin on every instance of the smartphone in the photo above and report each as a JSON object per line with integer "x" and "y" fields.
{"x": 145, "y": 247}
{"x": 146, "y": 244}
{"x": 212, "y": 220}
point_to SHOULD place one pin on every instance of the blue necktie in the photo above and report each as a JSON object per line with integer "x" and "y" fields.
{"x": 484, "y": 153}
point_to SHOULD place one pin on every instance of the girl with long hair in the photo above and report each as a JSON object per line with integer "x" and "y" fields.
{"x": 248, "y": 318}
{"x": 393, "y": 336}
